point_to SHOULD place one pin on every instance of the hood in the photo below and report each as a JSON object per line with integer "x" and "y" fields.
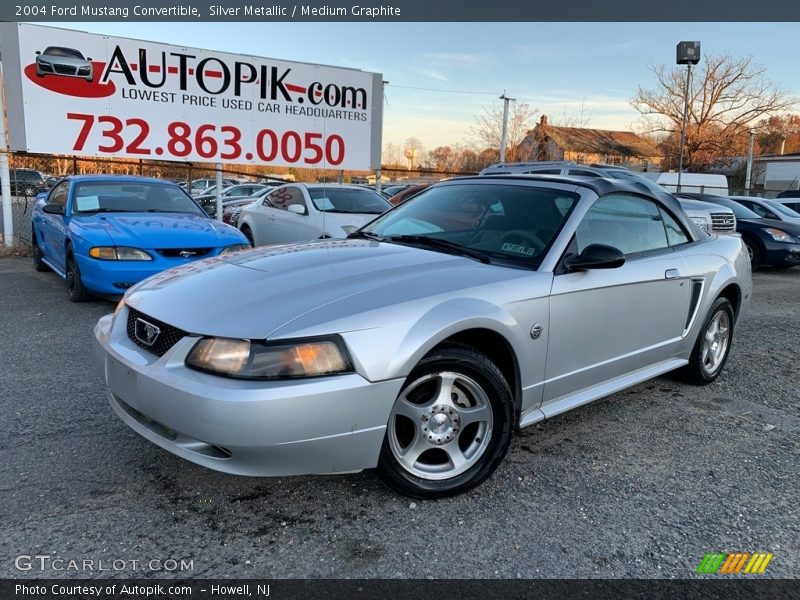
{"x": 332, "y": 220}
{"x": 254, "y": 293}
{"x": 792, "y": 229}
{"x": 156, "y": 230}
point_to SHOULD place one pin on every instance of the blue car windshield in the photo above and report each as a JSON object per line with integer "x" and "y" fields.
{"x": 95, "y": 196}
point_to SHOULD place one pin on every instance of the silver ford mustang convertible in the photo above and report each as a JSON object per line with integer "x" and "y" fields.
{"x": 421, "y": 342}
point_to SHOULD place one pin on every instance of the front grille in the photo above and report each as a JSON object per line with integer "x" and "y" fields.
{"x": 64, "y": 69}
{"x": 167, "y": 338}
{"x": 187, "y": 252}
{"x": 722, "y": 222}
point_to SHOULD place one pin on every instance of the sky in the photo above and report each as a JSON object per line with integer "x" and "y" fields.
{"x": 460, "y": 68}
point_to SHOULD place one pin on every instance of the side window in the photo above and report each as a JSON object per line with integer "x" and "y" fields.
{"x": 676, "y": 235}
{"x": 543, "y": 172}
{"x": 582, "y": 173}
{"x": 59, "y": 194}
{"x": 628, "y": 223}
{"x": 283, "y": 197}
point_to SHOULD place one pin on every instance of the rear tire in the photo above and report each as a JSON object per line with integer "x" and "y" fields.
{"x": 77, "y": 293}
{"x": 450, "y": 427}
{"x": 713, "y": 345}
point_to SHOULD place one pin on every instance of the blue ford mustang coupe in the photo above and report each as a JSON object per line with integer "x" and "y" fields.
{"x": 104, "y": 233}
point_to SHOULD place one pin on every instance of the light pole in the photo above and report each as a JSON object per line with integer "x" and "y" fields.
{"x": 504, "y": 132}
{"x": 749, "y": 161}
{"x": 688, "y": 53}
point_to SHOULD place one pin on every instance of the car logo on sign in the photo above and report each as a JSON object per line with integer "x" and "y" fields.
{"x": 145, "y": 332}
{"x": 187, "y": 253}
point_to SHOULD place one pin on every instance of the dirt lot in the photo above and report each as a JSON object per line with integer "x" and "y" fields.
{"x": 641, "y": 484}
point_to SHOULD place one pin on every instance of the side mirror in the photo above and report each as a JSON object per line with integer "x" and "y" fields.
{"x": 595, "y": 256}
{"x": 53, "y": 208}
{"x": 38, "y": 52}
{"x": 88, "y": 58}
{"x": 297, "y": 209}
{"x": 210, "y": 209}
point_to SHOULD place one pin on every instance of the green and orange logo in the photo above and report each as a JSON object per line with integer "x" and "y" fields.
{"x": 735, "y": 563}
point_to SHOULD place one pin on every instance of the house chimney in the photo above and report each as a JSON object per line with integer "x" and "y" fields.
{"x": 543, "y": 121}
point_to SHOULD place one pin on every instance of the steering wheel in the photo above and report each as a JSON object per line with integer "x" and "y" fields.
{"x": 526, "y": 237}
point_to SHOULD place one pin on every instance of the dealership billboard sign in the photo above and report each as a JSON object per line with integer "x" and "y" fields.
{"x": 71, "y": 92}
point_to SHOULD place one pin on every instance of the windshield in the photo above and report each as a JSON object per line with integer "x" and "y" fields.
{"x": 132, "y": 197}
{"x": 784, "y": 210}
{"x": 348, "y": 200}
{"x": 511, "y": 224}
{"x": 741, "y": 212}
{"x": 65, "y": 52}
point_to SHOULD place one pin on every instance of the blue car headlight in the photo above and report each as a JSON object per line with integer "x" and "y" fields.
{"x": 118, "y": 253}
{"x": 288, "y": 359}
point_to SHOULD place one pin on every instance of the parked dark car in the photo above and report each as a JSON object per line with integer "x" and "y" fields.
{"x": 408, "y": 193}
{"x": 27, "y": 182}
{"x": 769, "y": 241}
{"x": 789, "y": 194}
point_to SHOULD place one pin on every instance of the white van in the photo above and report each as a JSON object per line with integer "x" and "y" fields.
{"x": 698, "y": 183}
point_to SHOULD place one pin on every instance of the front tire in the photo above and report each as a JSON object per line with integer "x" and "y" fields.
{"x": 713, "y": 345}
{"x": 38, "y": 263}
{"x": 450, "y": 427}
{"x": 249, "y": 235}
{"x": 77, "y": 293}
{"x": 755, "y": 254}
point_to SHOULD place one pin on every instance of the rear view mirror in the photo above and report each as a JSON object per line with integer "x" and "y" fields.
{"x": 595, "y": 256}
{"x": 53, "y": 209}
{"x": 297, "y": 209}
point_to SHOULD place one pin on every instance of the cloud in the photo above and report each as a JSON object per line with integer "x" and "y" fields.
{"x": 432, "y": 73}
{"x": 563, "y": 50}
{"x": 449, "y": 58}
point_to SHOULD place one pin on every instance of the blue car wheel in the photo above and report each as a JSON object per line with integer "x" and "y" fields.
{"x": 77, "y": 293}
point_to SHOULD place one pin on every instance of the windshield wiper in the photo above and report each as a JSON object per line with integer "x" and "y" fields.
{"x": 365, "y": 235}
{"x": 440, "y": 244}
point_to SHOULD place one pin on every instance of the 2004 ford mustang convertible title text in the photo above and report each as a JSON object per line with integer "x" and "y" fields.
{"x": 418, "y": 344}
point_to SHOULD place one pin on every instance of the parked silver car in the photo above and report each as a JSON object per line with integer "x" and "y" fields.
{"x": 420, "y": 343}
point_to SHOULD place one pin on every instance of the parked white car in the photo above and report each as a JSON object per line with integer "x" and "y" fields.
{"x": 300, "y": 212}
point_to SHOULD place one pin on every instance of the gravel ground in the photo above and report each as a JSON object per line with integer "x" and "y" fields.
{"x": 640, "y": 484}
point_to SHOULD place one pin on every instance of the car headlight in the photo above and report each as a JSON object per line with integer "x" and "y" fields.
{"x": 779, "y": 235}
{"x": 701, "y": 222}
{"x": 234, "y": 248}
{"x": 244, "y": 359}
{"x": 118, "y": 253}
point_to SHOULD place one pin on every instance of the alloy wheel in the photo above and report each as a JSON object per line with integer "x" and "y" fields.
{"x": 715, "y": 342}
{"x": 441, "y": 425}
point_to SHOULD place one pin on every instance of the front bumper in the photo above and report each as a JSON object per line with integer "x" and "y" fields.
{"x": 113, "y": 277}
{"x": 781, "y": 254}
{"x": 260, "y": 428}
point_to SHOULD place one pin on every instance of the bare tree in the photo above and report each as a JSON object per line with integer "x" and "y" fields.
{"x": 727, "y": 95}
{"x": 574, "y": 118}
{"x": 489, "y": 126}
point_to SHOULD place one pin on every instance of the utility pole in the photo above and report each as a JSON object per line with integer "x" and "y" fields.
{"x": 5, "y": 176}
{"x": 688, "y": 53}
{"x": 504, "y": 134}
{"x": 749, "y": 161}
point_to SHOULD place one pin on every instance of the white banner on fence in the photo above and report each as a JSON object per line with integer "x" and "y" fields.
{"x": 72, "y": 92}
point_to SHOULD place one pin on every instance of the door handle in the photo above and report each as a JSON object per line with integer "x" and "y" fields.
{"x": 671, "y": 274}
